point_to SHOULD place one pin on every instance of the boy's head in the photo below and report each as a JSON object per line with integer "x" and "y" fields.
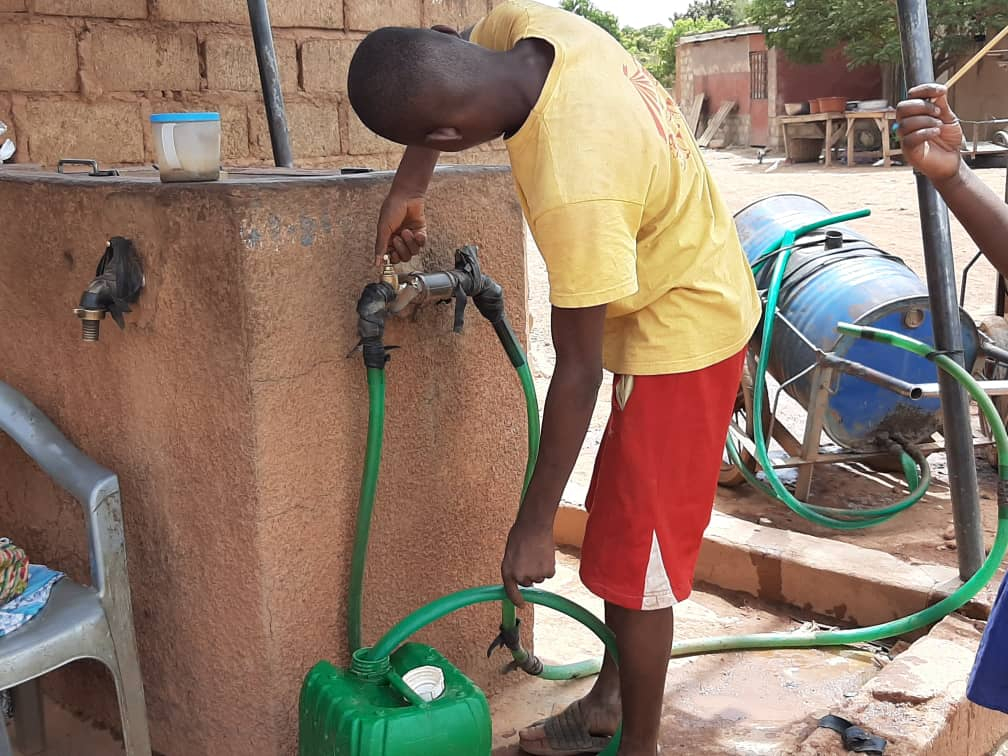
{"x": 424, "y": 88}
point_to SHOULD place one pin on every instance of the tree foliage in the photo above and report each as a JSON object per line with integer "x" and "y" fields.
{"x": 645, "y": 43}
{"x": 731, "y": 12}
{"x": 868, "y": 30}
{"x": 586, "y": 8}
{"x": 654, "y": 46}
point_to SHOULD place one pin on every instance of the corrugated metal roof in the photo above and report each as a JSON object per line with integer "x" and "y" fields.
{"x": 736, "y": 31}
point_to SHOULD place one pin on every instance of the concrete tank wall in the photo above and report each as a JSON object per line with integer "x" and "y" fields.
{"x": 237, "y": 426}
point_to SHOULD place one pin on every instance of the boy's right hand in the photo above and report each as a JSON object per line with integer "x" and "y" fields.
{"x": 930, "y": 133}
{"x": 402, "y": 228}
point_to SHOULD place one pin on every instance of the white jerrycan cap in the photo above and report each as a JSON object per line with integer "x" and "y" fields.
{"x": 427, "y": 682}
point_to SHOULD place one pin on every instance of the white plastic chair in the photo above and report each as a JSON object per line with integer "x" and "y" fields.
{"x": 78, "y": 622}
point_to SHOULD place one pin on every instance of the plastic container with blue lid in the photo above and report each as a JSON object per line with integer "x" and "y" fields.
{"x": 187, "y": 146}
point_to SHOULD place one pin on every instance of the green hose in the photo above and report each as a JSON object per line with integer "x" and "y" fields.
{"x": 969, "y": 589}
{"x": 365, "y": 506}
{"x": 840, "y": 519}
{"x": 781, "y": 640}
{"x": 509, "y": 619}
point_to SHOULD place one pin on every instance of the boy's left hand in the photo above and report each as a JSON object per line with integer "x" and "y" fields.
{"x": 530, "y": 558}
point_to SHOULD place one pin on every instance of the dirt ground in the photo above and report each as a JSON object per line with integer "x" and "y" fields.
{"x": 916, "y": 535}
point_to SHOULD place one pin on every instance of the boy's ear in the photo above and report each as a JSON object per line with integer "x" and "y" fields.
{"x": 446, "y": 30}
{"x": 445, "y": 135}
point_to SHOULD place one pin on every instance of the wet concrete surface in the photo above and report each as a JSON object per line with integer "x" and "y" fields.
{"x": 752, "y": 704}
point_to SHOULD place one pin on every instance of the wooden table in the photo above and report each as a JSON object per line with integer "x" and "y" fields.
{"x": 832, "y": 134}
{"x": 883, "y": 119}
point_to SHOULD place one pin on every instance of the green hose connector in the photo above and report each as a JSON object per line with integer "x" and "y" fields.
{"x": 366, "y": 502}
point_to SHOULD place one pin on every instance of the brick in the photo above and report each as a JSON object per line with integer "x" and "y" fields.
{"x": 314, "y": 129}
{"x": 218, "y": 11}
{"x": 13, "y": 6}
{"x": 93, "y": 8}
{"x": 459, "y": 14}
{"x": 318, "y": 14}
{"x": 36, "y": 58}
{"x": 75, "y": 129}
{"x": 362, "y": 141}
{"x": 133, "y": 59}
{"x": 231, "y": 63}
{"x": 325, "y": 62}
{"x": 366, "y": 15}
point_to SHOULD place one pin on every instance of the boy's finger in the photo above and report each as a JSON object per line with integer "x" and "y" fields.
{"x": 909, "y": 108}
{"x": 411, "y": 241}
{"x": 917, "y": 138}
{"x": 382, "y": 243}
{"x": 511, "y": 589}
{"x": 928, "y": 91}
{"x": 916, "y": 123}
{"x": 402, "y": 251}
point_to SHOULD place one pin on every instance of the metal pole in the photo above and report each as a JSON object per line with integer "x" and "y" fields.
{"x": 938, "y": 260}
{"x": 269, "y": 76}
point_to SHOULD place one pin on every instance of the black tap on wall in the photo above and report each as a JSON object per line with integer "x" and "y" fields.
{"x": 116, "y": 285}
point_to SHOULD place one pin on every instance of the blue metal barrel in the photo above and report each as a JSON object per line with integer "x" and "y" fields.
{"x": 834, "y": 278}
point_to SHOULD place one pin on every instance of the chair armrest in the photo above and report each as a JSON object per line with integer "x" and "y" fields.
{"x": 79, "y": 475}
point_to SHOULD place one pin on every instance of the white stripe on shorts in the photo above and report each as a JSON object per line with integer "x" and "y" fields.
{"x": 657, "y": 589}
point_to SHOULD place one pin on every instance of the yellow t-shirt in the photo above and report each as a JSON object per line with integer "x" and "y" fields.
{"x": 620, "y": 202}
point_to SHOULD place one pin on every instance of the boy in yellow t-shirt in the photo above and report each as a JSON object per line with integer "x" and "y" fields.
{"x": 647, "y": 279}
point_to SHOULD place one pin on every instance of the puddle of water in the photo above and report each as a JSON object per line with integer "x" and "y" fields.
{"x": 744, "y": 704}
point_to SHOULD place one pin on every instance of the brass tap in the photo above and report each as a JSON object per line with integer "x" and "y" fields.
{"x": 389, "y": 274}
{"x": 90, "y": 322}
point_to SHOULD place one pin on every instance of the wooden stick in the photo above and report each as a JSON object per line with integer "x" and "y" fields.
{"x": 977, "y": 58}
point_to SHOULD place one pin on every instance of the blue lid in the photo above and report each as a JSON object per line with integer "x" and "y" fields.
{"x": 183, "y": 117}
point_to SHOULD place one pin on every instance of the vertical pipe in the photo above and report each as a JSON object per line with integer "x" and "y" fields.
{"x": 919, "y": 69}
{"x": 269, "y": 76}
{"x": 1000, "y": 293}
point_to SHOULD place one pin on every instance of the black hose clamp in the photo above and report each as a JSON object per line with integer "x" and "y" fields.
{"x": 372, "y": 309}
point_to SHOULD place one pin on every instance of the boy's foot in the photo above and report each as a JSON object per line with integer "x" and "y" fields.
{"x": 583, "y": 727}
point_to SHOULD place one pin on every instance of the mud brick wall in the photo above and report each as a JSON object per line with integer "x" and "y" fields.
{"x": 80, "y": 78}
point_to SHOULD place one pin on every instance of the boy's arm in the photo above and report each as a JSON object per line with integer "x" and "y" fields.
{"x": 402, "y": 227}
{"x": 577, "y": 337}
{"x": 931, "y": 138}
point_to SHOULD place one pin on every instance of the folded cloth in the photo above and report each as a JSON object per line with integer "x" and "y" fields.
{"x": 988, "y": 683}
{"x": 13, "y": 571}
{"x": 17, "y": 612}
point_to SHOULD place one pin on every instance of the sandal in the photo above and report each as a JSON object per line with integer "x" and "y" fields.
{"x": 566, "y": 734}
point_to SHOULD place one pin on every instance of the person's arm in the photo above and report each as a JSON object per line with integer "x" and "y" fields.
{"x": 402, "y": 227}
{"x": 577, "y": 337}
{"x": 982, "y": 213}
{"x": 931, "y": 137}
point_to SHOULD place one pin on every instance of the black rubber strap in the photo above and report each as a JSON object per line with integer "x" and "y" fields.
{"x": 854, "y": 738}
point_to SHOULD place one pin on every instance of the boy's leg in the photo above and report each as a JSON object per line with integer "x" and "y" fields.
{"x": 650, "y": 500}
{"x": 632, "y": 692}
{"x": 644, "y": 640}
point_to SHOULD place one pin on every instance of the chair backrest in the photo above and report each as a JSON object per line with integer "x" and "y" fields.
{"x": 94, "y": 486}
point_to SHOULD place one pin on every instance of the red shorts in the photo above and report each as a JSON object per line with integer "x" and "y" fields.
{"x": 655, "y": 480}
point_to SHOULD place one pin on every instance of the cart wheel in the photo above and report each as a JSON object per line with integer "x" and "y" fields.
{"x": 730, "y": 476}
{"x": 995, "y": 328}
